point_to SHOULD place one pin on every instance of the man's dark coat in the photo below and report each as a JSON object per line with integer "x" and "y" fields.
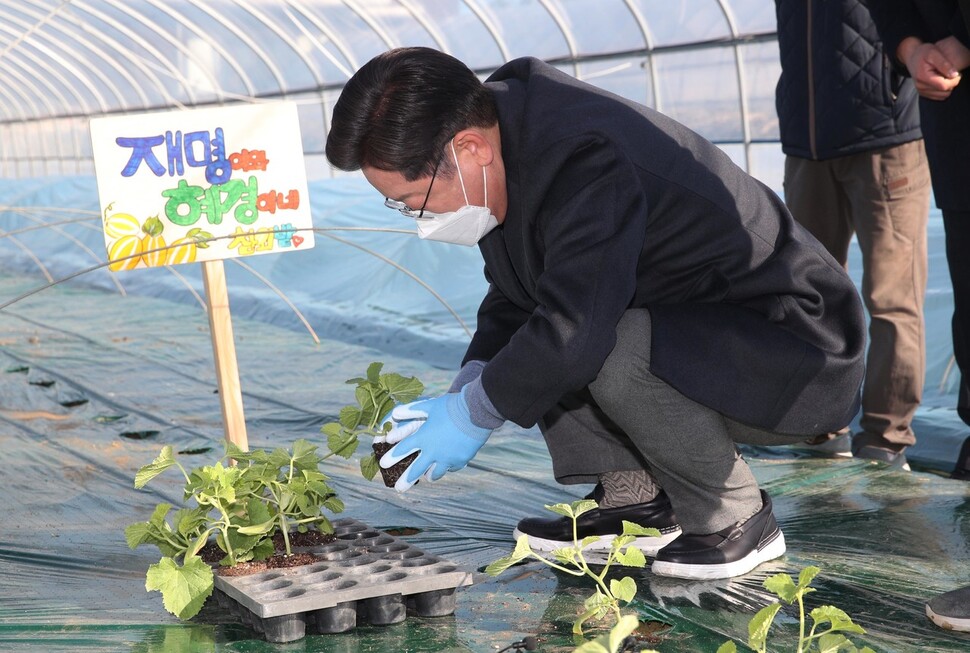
{"x": 615, "y": 206}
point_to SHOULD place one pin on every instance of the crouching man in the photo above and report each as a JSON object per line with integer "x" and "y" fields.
{"x": 650, "y": 304}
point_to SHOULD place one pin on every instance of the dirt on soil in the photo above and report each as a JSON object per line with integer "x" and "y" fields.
{"x": 397, "y": 531}
{"x": 212, "y": 554}
{"x": 391, "y": 474}
{"x": 278, "y": 561}
{"x": 310, "y": 538}
{"x": 651, "y": 632}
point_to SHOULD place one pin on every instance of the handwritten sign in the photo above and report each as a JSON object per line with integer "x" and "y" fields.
{"x": 201, "y": 185}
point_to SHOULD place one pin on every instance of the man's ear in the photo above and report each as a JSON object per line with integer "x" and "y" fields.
{"x": 472, "y": 141}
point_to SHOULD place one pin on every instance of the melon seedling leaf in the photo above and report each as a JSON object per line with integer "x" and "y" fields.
{"x": 184, "y": 589}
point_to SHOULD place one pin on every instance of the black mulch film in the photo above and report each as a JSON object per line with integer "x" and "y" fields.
{"x": 92, "y": 385}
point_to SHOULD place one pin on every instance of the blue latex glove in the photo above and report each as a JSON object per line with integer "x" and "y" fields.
{"x": 442, "y": 430}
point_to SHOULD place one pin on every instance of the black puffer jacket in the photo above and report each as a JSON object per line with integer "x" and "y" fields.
{"x": 838, "y": 93}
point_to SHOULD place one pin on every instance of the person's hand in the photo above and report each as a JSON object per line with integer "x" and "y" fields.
{"x": 442, "y": 431}
{"x": 955, "y": 52}
{"x": 934, "y": 75}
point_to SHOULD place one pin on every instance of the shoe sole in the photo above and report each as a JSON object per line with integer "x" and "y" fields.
{"x": 838, "y": 447}
{"x": 889, "y": 466}
{"x": 649, "y": 545}
{"x": 769, "y": 551}
{"x": 821, "y": 451}
{"x": 948, "y": 623}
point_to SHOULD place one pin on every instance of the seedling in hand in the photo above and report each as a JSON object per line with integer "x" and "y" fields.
{"x": 376, "y": 395}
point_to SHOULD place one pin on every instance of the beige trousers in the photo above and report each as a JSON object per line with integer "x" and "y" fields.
{"x": 882, "y": 197}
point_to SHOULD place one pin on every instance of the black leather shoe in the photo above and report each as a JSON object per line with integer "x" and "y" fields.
{"x": 730, "y": 552}
{"x": 894, "y": 459}
{"x": 872, "y": 447}
{"x": 606, "y": 523}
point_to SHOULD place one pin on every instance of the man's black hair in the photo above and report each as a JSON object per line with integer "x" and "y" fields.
{"x": 402, "y": 107}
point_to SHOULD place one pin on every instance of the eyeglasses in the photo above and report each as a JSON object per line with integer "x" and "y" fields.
{"x": 417, "y": 214}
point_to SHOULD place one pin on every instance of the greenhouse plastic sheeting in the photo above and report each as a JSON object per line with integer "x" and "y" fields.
{"x": 92, "y": 385}
{"x": 370, "y": 281}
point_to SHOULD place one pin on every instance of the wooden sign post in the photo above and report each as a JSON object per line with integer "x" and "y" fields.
{"x": 224, "y": 351}
{"x": 202, "y": 186}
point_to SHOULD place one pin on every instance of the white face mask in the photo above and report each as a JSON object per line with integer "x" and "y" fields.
{"x": 466, "y": 226}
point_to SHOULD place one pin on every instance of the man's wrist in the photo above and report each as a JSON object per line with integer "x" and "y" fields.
{"x": 482, "y": 412}
{"x": 468, "y": 373}
{"x": 906, "y": 49}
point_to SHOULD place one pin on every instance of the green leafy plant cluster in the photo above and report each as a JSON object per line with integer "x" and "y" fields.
{"x": 826, "y": 635}
{"x": 829, "y": 624}
{"x": 376, "y": 395}
{"x": 242, "y": 506}
{"x": 605, "y": 601}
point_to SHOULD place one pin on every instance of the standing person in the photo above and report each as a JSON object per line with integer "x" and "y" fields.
{"x": 856, "y": 164}
{"x": 650, "y": 304}
{"x": 931, "y": 43}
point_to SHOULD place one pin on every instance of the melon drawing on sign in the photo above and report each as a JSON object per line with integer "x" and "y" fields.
{"x": 135, "y": 244}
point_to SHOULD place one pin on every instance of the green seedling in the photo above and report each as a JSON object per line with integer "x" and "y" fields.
{"x": 376, "y": 395}
{"x": 615, "y": 640}
{"x": 243, "y": 506}
{"x": 571, "y": 560}
{"x": 292, "y": 487}
{"x": 828, "y": 639}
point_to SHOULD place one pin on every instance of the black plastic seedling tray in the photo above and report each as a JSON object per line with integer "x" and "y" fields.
{"x": 364, "y": 576}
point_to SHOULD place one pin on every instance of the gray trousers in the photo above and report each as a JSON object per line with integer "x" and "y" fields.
{"x": 628, "y": 419}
